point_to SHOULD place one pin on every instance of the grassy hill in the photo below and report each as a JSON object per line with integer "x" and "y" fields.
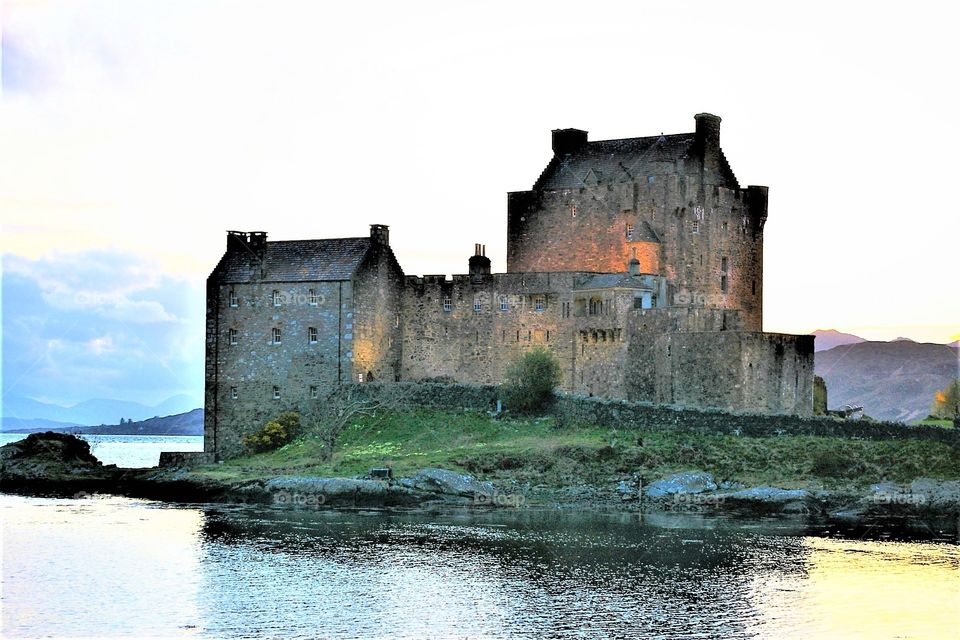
{"x": 537, "y": 453}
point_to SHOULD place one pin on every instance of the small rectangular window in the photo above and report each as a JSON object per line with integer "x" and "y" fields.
{"x": 477, "y": 304}
{"x": 234, "y": 299}
{"x": 275, "y": 335}
{"x": 753, "y": 287}
{"x": 276, "y": 393}
{"x": 629, "y": 232}
{"x": 312, "y": 335}
{"x": 696, "y": 226}
{"x": 314, "y": 393}
{"x": 312, "y": 298}
{"x": 447, "y": 304}
{"x": 234, "y": 393}
{"x": 539, "y": 303}
{"x": 233, "y": 336}
{"x": 723, "y": 284}
{"x": 649, "y": 179}
{"x": 276, "y": 298}
{"x": 504, "y": 303}
{"x": 359, "y": 377}
{"x": 723, "y": 264}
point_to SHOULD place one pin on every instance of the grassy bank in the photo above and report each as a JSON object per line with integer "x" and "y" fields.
{"x": 536, "y": 452}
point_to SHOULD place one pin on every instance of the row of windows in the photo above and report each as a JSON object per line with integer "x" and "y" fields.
{"x": 314, "y": 392}
{"x": 279, "y": 298}
{"x": 539, "y": 304}
{"x": 275, "y": 335}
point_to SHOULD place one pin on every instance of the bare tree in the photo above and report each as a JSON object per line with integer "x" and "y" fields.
{"x": 341, "y": 407}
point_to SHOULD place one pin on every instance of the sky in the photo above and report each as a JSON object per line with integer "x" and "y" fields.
{"x": 133, "y": 134}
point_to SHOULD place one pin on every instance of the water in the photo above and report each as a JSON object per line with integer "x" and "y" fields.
{"x": 129, "y": 450}
{"x": 118, "y": 567}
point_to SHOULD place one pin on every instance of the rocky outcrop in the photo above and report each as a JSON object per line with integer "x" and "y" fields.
{"x": 448, "y": 483}
{"x": 688, "y": 482}
{"x": 53, "y": 461}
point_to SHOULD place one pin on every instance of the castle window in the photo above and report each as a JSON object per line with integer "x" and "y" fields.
{"x": 696, "y": 226}
{"x": 276, "y": 298}
{"x": 233, "y": 336}
{"x": 723, "y": 283}
{"x": 573, "y": 211}
{"x": 724, "y": 263}
{"x": 477, "y": 305}
{"x": 312, "y": 335}
{"x": 276, "y": 393}
{"x": 234, "y": 299}
{"x": 314, "y": 393}
{"x": 275, "y": 335}
{"x": 539, "y": 303}
{"x": 359, "y": 377}
{"x": 312, "y": 298}
{"x": 649, "y": 179}
{"x": 504, "y": 303}
{"x": 630, "y": 233}
{"x": 447, "y": 304}
{"x": 753, "y": 287}
{"x": 596, "y": 306}
{"x": 234, "y": 393}
{"x": 724, "y": 225}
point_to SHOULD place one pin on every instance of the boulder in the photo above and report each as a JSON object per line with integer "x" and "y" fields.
{"x": 446, "y": 482}
{"x": 684, "y": 483}
{"x": 772, "y": 499}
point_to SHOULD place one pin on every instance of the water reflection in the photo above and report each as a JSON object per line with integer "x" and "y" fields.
{"x": 122, "y": 567}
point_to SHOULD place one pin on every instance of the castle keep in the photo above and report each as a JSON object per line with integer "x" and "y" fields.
{"x": 637, "y": 262}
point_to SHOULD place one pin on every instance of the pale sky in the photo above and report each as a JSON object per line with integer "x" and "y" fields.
{"x": 146, "y": 129}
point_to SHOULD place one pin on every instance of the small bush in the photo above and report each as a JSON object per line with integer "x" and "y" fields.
{"x": 530, "y": 381}
{"x": 273, "y": 435}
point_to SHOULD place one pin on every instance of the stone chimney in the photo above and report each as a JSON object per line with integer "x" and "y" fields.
{"x": 479, "y": 263}
{"x": 380, "y": 234}
{"x": 633, "y": 267}
{"x": 568, "y": 140}
{"x": 707, "y": 137}
{"x": 253, "y": 242}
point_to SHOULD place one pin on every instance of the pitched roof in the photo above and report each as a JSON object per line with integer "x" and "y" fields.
{"x": 614, "y": 161}
{"x": 620, "y": 281}
{"x": 296, "y": 260}
{"x": 645, "y": 233}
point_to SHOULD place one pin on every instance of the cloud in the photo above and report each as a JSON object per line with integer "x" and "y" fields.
{"x": 100, "y": 325}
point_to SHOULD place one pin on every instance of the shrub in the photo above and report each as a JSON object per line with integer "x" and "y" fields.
{"x": 530, "y": 381}
{"x": 276, "y": 433}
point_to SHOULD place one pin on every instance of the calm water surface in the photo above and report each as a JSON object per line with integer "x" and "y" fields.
{"x": 117, "y": 567}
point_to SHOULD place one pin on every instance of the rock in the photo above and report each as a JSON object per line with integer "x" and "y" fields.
{"x": 313, "y": 491}
{"x": 448, "y": 483}
{"x": 681, "y": 483}
{"x": 936, "y": 495}
{"x": 773, "y": 499}
{"x": 51, "y": 458}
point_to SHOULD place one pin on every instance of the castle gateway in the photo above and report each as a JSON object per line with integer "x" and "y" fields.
{"x": 637, "y": 262}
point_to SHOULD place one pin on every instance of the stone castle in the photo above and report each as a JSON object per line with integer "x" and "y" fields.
{"x": 638, "y": 262}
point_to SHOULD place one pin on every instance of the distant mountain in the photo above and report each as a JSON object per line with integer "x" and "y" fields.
{"x": 892, "y": 380}
{"x": 830, "y": 338}
{"x": 29, "y": 425}
{"x": 92, "y": 412}
{"x": 181, "y": 424}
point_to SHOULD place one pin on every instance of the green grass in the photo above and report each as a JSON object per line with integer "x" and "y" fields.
{"x": 535, "y": 451}
{"x": 936, "y": 422}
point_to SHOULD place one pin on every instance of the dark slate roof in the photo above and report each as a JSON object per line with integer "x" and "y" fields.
{"x": 645, "y": 233}
{"x": 612, "y": 161}
{"x": 297, "y": 260}
{"x": 615, "y": 161}
{"x": 620, "y": 281}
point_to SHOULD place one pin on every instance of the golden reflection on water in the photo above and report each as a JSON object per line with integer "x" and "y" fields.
{"x": 862, "y": 589}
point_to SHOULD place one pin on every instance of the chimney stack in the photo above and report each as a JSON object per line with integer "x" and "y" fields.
{"x": 707, "y": 135}
{"x": 253, "y": 242}
{"x": 380, "y": 234}
{"x": 479, "y": 263}
{"x": 568, "y": 140}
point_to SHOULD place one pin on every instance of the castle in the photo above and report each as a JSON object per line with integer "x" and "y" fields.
{"x": 638, "y": 262}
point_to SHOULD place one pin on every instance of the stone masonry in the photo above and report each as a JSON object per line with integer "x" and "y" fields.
{"x": 637, "y": 262}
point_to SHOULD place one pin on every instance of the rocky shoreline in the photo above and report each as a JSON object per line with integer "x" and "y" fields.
{"x": 61, "y": 464}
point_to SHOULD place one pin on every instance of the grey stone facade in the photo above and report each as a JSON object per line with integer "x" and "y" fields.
{"x": 637, "y": 262}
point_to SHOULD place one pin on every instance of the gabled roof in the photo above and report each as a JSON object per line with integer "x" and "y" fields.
{"x": 645, "y": 233}
{"x": 296, "y": 261}
{"x": 615, "y": 161}
{"x": 620, "y": 281}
